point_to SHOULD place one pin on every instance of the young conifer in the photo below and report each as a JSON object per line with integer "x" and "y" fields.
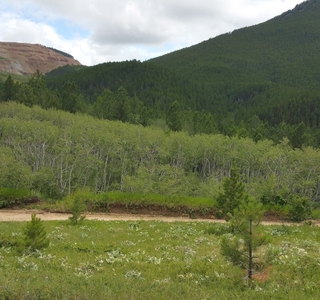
{"x": 240, "y": 249}
{"x": 35, "y": 235}
{"x": 233, "y": 194}
{"x": 77, "y": 209}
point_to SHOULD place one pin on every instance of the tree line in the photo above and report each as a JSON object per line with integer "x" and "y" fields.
{"x": 120, "y": 105}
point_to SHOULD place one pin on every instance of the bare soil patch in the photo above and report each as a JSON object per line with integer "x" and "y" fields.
{"x": 25, "y": 215}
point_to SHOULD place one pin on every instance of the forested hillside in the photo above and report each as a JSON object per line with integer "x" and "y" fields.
{"x": 260, "y": 82}
{"x": 155, "y": 86}
{"x": 270, "y": 69}
{"x": 282, "y": 51}
{"x": 56, "y": 153}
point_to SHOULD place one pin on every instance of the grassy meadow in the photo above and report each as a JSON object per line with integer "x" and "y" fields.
{"x": 156, "y": 260}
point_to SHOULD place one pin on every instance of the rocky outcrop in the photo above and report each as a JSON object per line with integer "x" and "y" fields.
{"x": 26, "y": 59}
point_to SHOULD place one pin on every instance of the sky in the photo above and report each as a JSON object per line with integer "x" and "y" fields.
{"x": 97, "y": 31}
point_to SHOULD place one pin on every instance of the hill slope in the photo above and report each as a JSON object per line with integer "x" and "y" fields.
{"x": 156, "y": 87}
{"x": 270, "y": 70}
{"x": 276, "y": 51}
{"x": 260, "y": 69}
{"x": 26, "y": 59}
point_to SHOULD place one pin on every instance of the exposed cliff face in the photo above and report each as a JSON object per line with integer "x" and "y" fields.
{"x": 26, "y": 59}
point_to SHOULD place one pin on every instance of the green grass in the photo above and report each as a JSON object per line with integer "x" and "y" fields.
{"x": 139, "y": 198}
{"x": 133, "y": 202}
{"x": 154, "y": 260}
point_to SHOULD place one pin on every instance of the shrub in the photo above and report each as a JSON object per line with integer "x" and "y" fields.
{"x": 300, "y": 209}
{"x": 10, "y": 197}
{"x": 273, "y": 200}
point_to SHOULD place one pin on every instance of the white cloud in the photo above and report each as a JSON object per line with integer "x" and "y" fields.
{"x": 113, "y": 30}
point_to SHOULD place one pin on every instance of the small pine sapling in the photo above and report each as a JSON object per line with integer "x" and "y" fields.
{"x": 240, "y": 248}
{"x": 77, "y": 209}
{"x": 35, "y": 235}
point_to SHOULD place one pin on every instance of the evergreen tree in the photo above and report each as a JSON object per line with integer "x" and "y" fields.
{"x": 173, "y": 117}
{"x": 104, "y": 107}
{"x": 144, "y": 117}
{"x": 298, "y": 136}
{"x": 10, "y": 89}
{"x": 26, "y": 95}
{"x": 35, "y": 235}
{"x": 122, "y": 105}
{"x": 245, "y": 222}
{"x": 135, "y": 110}
{"x": 233, "y": 194}
{"x": 72, "y": 99}
{"x": 77, "y": 209}
{"x": 43, "y": 96}
{"x": 203, "y": 122}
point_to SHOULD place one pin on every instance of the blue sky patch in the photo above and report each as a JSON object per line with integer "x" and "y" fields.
{"x": 68, "y": 29}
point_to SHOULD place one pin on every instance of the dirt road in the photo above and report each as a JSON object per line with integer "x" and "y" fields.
{"x": 25, "y": 215}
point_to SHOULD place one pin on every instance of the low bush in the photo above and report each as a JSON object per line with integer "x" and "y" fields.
{"x": 16, "y": 197}
{"x": 299, "y": 209}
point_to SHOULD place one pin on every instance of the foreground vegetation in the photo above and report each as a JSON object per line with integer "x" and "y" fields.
{"x": 155, "y": 260}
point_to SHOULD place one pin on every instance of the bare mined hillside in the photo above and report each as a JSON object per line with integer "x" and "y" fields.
{"x": 26, "y": 59}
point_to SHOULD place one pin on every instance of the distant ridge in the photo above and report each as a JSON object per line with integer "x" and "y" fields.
{"x": 26, "y": 59}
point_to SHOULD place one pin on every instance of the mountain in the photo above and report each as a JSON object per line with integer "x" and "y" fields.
{"x": 270, "y": 70}
{"x": 276, "y": 51}
{"x": 26, "y": 59}
{"x": 267, "y": 67}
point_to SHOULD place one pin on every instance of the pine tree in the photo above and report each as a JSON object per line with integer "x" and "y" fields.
{"x": 10, "y": 89}
{"x": 173, "y": 118}
{"x": 72, "y": 99}
{"x": 77, "y": 209}
{"x": 233, "y": 194}
{"x": 122, "y": 104}
{"x": 35, "y": 235}
{"x": 240, "y": 249}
